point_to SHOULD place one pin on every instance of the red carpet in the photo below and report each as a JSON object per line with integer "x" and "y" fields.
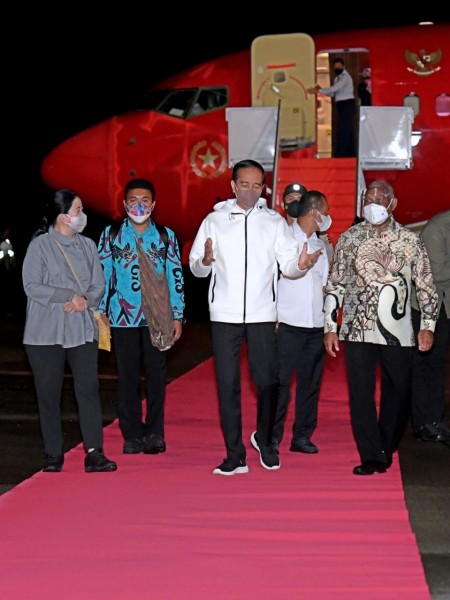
{"x": 163, "y": 527}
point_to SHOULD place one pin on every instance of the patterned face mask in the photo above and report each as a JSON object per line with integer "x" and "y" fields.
{"x": 139, "y": 212}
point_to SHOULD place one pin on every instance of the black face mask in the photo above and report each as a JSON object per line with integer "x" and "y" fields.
{"x": 293, "y": 209}
{"x": 338, "y": 71}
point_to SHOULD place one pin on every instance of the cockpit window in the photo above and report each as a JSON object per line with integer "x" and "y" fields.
{"x": 177, "y": 103}
{"x": 151, "y": 100}
{"x": 209, "y": 99}
{"x": 186, "y": 103}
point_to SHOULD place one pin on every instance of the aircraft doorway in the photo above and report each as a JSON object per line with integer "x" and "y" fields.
{"x": 358, "y": 65}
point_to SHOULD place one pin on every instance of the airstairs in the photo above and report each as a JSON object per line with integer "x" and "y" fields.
{"x": 289, "y": 132}
{"x": 384, "y": 144}
{"x": 334, "y": 177}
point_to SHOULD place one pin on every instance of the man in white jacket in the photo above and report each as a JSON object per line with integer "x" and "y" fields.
{"x": 243, "y": 244}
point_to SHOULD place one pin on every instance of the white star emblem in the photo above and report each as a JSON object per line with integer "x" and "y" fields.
{"x": 208, "y": 159}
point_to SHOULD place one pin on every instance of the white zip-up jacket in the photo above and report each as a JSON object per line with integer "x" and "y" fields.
{"x": 247, "y": 249}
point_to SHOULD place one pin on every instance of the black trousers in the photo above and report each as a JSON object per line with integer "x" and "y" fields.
{"x": 132, "y": 347}
{"x": 47, "y": 364}
{"x": 378, "y": 435}
{"x": 428, "y": 375}
{"x": 345, "y": 129}
{"x": 227, "y": 340}
{"x": 300, "y": 350}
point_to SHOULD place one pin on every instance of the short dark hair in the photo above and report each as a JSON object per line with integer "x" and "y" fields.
{"x": 246, "y": 164}
{"x": 338, "y": 60}
{"x": 144, "y": 184}
{"x": 310, "y": 200}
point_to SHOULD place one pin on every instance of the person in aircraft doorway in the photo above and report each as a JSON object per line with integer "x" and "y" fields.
{"x": 343, "y": 94}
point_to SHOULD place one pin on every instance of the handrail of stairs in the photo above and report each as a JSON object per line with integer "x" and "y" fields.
{"x": 275, "y": 156}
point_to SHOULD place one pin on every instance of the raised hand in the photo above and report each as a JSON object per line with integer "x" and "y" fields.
{"x": 307, "y": 261}
{"x": 208, "y": 257}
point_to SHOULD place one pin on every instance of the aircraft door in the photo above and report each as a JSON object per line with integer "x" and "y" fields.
{"x": 283, "y": 67}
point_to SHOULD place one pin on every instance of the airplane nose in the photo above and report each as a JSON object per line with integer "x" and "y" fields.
{"x": 83, "y": 163}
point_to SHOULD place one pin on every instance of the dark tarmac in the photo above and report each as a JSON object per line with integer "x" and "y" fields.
{"x": 424, "y": 466}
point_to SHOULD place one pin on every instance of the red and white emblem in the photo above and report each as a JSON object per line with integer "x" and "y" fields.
{"x": 423, "y": 62}
{"x": 208, "y": 159}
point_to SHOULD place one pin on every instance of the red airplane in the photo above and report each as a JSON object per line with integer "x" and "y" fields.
{"x": 180, "y": 138}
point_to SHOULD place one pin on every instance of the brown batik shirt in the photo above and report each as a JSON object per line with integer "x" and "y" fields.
{"x": 371, "y": 278}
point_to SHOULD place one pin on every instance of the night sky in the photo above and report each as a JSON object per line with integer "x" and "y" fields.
{"x": 67, "y": 71}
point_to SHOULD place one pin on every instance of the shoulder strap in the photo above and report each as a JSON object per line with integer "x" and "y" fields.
{"x": 113, "y": 231}
{"x": 69, "y": 262}
{"x": 163, "y": 233}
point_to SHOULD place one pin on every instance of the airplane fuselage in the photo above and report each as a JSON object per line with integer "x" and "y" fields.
{"x": 185, "y": 152}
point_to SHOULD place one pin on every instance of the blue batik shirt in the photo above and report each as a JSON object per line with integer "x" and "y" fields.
{"x": 121, "y": 301}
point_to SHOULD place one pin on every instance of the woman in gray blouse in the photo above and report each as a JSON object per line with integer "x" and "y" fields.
{"x": 63, "y": 280}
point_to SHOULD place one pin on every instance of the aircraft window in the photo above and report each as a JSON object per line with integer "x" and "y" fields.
{"x": 178, "y": 102}
{"x": 443, "y": 105}
{"x": 279, "y": 77}
{"x": 152, "y": 99}
{"x": 185, "y": 102}
{"x": 412, "y": 100}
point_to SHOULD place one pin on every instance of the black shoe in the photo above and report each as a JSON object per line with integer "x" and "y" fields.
{"x": 96, "y": 462}
{"x": 432, "y": 432}
{"x": 303, "y": 445}
{"x": 268, "y": 455}
{"x": 231, "y": 466}
{"x": 53, "y": 464}
{"x": 154, "y": 444}
{"x": 370, "y": 467}
{"x": 135, "y": 446}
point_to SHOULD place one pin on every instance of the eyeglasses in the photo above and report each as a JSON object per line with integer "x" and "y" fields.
{"x": 374, "y": 197}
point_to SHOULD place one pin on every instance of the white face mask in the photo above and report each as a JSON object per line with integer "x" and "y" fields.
{"x": 376, "y": 214}
{"x": 325, "y": 223}
{"x": 78, "y": 223}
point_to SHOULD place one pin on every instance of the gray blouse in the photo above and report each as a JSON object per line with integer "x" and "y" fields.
{"x": 49, "y": 283}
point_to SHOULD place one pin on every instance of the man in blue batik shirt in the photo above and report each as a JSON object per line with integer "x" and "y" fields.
{"x": 123, "y": 306}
